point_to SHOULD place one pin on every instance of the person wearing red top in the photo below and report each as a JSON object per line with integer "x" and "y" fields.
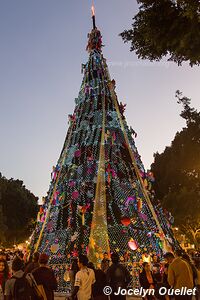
{"x": 4, "y": 276}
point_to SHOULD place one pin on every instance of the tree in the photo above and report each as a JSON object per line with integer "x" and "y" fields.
{"x": 18, "y": 207}
{"x": 2, "y": 227}
{"x": 99, "y": 197}
{"x": 166, "y": 28}
{"x": 177, "y": 173}
{"x": 192, "y": 227}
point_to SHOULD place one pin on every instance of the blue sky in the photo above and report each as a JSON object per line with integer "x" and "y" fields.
{"x": 41, "y": 50}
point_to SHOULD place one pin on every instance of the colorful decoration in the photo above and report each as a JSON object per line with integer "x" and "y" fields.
{"x": 100, "y": 197}
{"x": 75, "y": 195}
{"x": 94, "y": 40}
{"x": 54, "y": 172}
{"x": 132, "y": 245}
{"x": 126, "y": 221}
{"x": 54, "y": 248}
{"x": 77, "y": 153}
{"x": 122, "y": 108}
{"x": 74, "y": 237}
{"x": 83, "y": 210}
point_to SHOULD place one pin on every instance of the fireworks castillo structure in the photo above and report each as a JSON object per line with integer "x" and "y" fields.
{"x": 100, "y": 197}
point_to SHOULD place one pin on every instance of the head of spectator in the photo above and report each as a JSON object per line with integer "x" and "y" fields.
{"x": 82, "y": 261}
{"x": 169, "y": 257}
{"x": 43, "y": 259}
{"x": 115, "y": 258}
{"x": 154, "y": 258}
{"x": 17, "y": 265}
{"x": 2, "y": 255}
{"x": 4, "y": 269}
{"x": 105, "y": 255}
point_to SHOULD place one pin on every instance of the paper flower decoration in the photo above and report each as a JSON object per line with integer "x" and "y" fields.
{"x": 125, "y": 221}
{"x": 75, "y": 195}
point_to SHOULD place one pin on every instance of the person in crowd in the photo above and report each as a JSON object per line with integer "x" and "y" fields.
{"x": 187, "y": 258}
{"x": 165, "y": 279}
{"x": 34, "y": 264}
{"x": 44, "y": 276}
{"x": 84, "y": 280}
{"x": 155, "y": 268}
{"x": 179, "y": 273}
{"x": 16, "y": 288}
{"x": 72, "y": 272}
{"x": 20, "y": 255}
{"x": 100, "y": 283}
{"x": 4, "y": 276}
{"x": 2, "y": 255}
{"x": 105, "y": 262}
{"x": 117, "y": 276}
{"x": 165, "y": 276}
{"x": 146, "y": 279}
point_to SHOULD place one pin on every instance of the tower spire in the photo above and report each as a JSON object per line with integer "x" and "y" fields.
{"x": 93, "y": 15}
{"x": 94, "y": 37}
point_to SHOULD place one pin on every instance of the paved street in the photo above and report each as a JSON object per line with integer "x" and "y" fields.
{"x": 61, "y": 297}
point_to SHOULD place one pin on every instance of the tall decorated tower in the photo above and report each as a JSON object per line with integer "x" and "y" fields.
{"x": 100, "y": 197}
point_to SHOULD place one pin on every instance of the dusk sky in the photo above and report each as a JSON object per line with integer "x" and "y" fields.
{"x": 42, "y": 46}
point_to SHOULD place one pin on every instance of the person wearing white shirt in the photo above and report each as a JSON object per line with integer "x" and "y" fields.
{"x": 84, "y": 280}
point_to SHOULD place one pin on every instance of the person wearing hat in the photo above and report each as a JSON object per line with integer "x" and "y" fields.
{"x": 44, "y": 276}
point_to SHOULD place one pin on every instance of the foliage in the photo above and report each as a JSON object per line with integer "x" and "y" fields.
{"x": 191, "y": 226}
{"x": 18, "y": 208}
{"x": 2, "y": 226}
{"x": 177, "y": 172}
{"x": 166, "y": 28}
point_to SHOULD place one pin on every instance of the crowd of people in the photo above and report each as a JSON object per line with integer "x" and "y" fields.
{"x": 19, "y": 280}
{"x": 176, "y": 271}
{"x": 89, "y": 283}
{"x": 35, "y": 280}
